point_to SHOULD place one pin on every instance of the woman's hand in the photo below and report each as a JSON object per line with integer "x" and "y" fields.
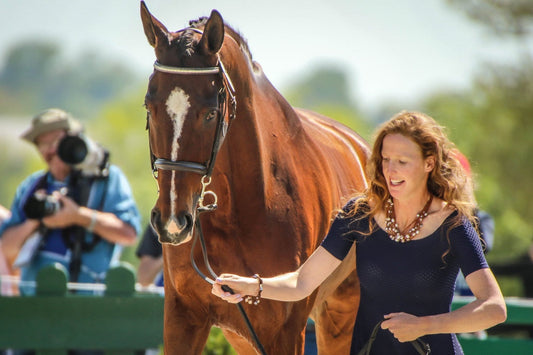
{"x": 405, "y": 327}
{"x": 241, "y": 287}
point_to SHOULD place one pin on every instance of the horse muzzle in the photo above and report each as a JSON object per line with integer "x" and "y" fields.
{"x": 176, "y": 229}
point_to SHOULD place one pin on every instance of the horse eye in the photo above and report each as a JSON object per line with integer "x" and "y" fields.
{"x": 148, "y": 116}
{"x": 211, "y": 115}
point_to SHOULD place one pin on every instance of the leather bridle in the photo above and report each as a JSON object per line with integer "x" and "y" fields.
{"x": 221, "y": 129}
{"x": 226, "y": 97}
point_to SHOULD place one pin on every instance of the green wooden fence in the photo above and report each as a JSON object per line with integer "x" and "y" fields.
{"x": 122, "y": 321}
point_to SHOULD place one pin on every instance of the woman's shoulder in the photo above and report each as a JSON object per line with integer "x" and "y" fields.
{"x": 457, "y": 225}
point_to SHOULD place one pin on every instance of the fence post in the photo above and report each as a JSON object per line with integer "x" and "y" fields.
{"x": 52, "y": 281}
{"x": 120, "y": 281}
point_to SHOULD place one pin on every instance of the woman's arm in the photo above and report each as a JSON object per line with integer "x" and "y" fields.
{"x": 291, "y": 286}
{"x": 486, "y": 311}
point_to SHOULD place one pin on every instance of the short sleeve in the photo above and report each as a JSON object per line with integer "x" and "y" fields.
{"x": 118, "y": 199}
{"x": 342, "y": 233}
{"x": 467, "y": 248}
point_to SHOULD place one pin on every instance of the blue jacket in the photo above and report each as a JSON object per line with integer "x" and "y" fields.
{"x": 112, "y": 195}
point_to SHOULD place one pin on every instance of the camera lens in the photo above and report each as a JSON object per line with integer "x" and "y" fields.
{"x": 72, "y": 150}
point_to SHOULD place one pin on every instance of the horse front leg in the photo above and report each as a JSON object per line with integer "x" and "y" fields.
{"x": 186, "y": 327}
{"x": 279, "y": 332}
{"x": 336, "y": 309}
{"x": 282, "y": 342}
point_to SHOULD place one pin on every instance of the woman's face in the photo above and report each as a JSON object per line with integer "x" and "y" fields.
{"x": 404, "y": 168}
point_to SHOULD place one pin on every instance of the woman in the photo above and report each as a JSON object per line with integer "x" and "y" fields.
{"x": 413, "y": 229}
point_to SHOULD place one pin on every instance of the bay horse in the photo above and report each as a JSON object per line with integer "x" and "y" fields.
{"x": 218, "y": 128}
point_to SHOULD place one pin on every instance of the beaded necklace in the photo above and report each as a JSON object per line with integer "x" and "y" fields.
{"x": 391, "y": 227}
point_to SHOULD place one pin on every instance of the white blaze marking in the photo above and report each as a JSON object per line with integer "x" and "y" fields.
{"x": 177, "y": 108}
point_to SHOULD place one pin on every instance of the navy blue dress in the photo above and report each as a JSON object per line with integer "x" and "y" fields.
{"x": 410, "y": 277}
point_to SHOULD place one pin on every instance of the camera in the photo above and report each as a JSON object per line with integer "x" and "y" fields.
{"x": 85, "y": 155}
{"x": 41, "y": 205}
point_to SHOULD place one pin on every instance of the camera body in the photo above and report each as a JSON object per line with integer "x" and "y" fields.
{"x": 85, "y": 156}
{"x": 40, "y": 205}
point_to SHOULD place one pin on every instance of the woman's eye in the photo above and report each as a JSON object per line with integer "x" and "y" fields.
{"x": 211, "y": 115}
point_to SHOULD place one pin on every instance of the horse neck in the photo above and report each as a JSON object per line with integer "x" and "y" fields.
{"x": 264, "y": 124}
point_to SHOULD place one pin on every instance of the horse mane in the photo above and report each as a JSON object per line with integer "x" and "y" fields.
{"x": 237, "y": 36}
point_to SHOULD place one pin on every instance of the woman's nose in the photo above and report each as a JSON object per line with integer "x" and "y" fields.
{"x": 389, "y": 166}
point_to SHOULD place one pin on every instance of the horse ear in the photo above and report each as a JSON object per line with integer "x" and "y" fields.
{"x": 155, "y": 31}
{"x": 213, "y": 36}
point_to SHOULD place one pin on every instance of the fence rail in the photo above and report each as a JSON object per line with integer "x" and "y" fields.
{"x": 122, "y": 321}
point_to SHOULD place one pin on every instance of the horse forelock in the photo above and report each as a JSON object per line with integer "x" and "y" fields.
{"x": 186, "y": 41}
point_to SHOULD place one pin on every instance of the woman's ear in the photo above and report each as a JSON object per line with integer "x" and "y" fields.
{"x": 430, "y": 163}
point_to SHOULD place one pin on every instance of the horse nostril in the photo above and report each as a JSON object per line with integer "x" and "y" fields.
{"x": 185, "y": 221}
{"x": 155, "y": 218}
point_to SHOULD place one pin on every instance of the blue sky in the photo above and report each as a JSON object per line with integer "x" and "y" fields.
{"x": 391, "y": 49}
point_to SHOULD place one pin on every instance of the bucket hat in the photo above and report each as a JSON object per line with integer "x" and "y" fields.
{"x": 51, "y": 120}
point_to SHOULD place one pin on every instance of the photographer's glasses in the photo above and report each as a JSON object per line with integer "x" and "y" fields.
{"x": 50, "y": 141}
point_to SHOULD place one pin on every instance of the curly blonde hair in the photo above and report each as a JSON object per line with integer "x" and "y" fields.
{"x": 448, "y": 179}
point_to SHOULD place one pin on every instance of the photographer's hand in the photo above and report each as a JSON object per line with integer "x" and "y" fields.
{"x": 106, "y": 224}
{"x": 67, "y": 216}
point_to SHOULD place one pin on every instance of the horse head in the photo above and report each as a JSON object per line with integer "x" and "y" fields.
{"x": 189, "y": 102}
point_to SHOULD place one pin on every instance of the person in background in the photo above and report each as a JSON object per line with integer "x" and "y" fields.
{"x": 150, "y": 253}
{"x": 68, "y": 214}
{"x": 414, "y": 231}
{"x": 520, "y": 267}
{"x": 7, "y": 288}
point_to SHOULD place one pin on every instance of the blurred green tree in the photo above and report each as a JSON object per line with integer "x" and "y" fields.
{"x": 36, "y": 77}
{"x": 327, "y": 91}
{"x": 493, "y": 127}
{"x": 492, "y": 123}
{"x": 120, "y": 127}
{"x": 502, "y": 16}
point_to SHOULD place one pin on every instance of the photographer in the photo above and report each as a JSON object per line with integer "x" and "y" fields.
{"x": 77, "y": 215}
